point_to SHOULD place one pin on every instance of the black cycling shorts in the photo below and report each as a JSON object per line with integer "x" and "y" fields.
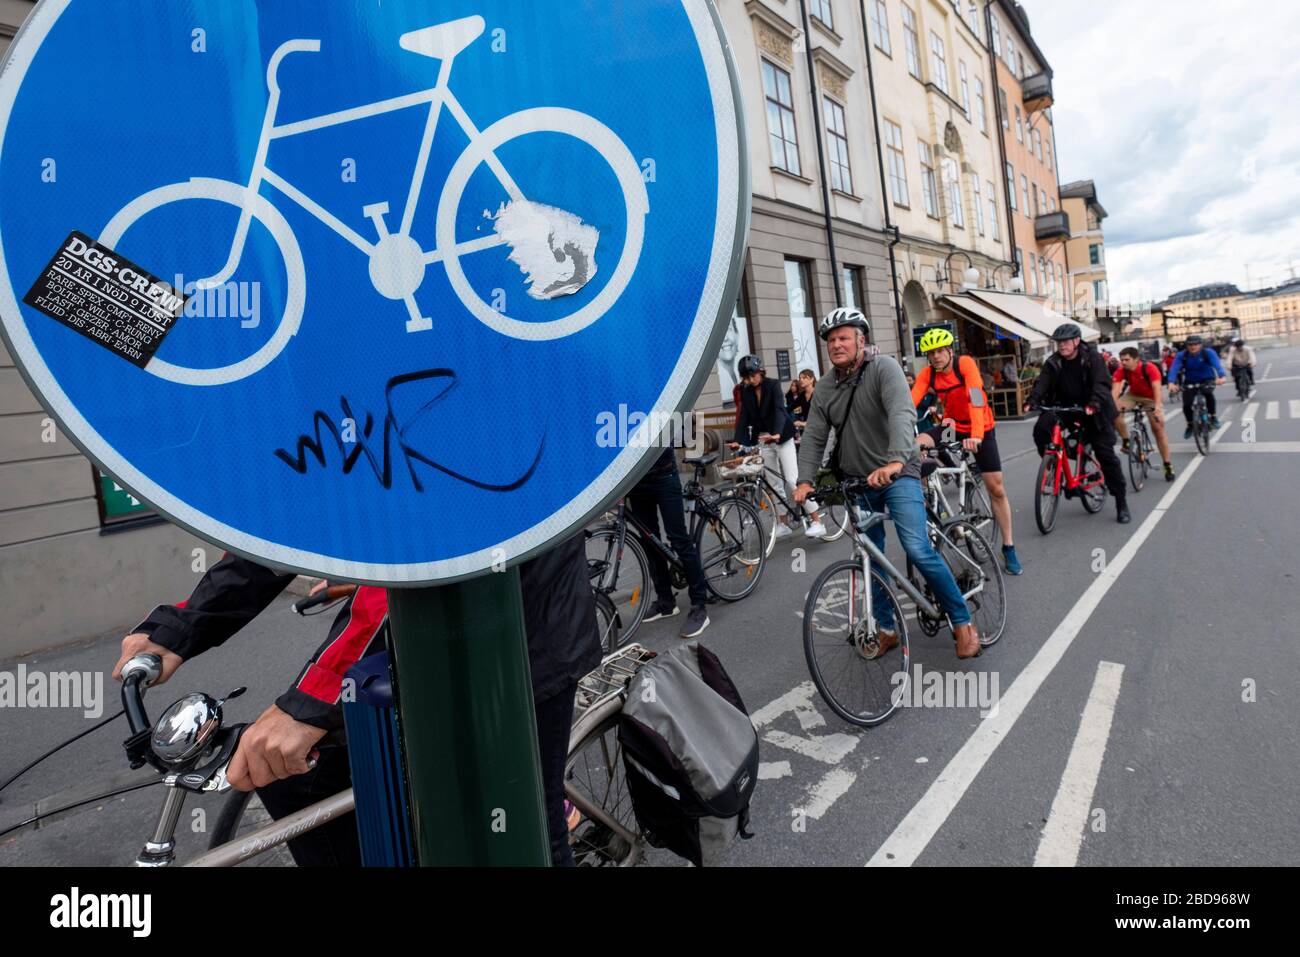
{"x": 987, "y": 458}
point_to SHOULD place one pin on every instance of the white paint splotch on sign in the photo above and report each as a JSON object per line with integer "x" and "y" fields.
{"x": 555, "y": 249}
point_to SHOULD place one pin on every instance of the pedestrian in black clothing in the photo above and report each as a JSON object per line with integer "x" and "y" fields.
{"x": 1077, "y": 375}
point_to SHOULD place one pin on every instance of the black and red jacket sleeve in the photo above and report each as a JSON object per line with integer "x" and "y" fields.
{"x": 232, "y": 593}
{"x": 315, "y": 697}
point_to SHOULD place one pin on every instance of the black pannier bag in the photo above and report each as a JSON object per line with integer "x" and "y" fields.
{"x": 690, "y": 754}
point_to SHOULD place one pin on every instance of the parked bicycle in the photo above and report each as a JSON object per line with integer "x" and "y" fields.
{"x": 763, "y": 488}
{"x": 841, "y": 628}
{"x": 1057, "y": 477}
{"x": 1140, "y": 449}
{"x": 1200, "y": 423}
{"x": 728, "y": 534}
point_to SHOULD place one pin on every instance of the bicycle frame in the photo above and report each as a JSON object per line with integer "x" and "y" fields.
{"x": 1073, "y": 479}
{"x": 435, "y": 98}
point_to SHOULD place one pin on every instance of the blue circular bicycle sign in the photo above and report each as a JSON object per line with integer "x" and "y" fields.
{"x": 356, "y": 288}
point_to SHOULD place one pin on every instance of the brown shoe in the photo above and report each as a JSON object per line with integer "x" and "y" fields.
{"x": 884, "y": 642}
{"x": 968, "y": 641}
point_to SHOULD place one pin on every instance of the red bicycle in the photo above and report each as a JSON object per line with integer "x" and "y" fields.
{"x": 1056, "y": 476}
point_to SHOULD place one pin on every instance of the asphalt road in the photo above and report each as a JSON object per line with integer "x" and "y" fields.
{"x": 1147, "y": 688}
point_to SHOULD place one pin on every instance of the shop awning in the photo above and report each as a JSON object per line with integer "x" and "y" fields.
{"x": 1036, "y": 315}
{"x": 994, "y": 319}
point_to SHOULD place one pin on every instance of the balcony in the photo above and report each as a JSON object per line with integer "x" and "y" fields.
{"x": 1036, "y": 91}
{"x": 1052, "y": 226}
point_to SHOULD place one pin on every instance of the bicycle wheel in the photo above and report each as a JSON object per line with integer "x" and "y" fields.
{"x": 732, "y": 549}
{"x": 625, "y": 580}
{"x": 1201, "y": 428}
{"x": 1046, "y": 496}
{"x": 1137, "y": 460}
{"x": 974, "y": 565}
{"x": 836, "y": 517}
{"x": 980, "y": 512}
{"x": 607, "y": 833}
{"x": 115, "y": 235}
{"x": 842, "y": 650}
{"x": 607, "y": 624}
{"x": 758, "y": 496}
{"x": 1095, "y": 497}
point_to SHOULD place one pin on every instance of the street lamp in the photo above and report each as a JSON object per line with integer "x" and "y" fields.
{"x": 970, "y": 278}
{"x": 1011, "y": 283}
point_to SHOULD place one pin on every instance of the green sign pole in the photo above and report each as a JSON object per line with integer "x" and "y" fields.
{"x": 469, "y": 733}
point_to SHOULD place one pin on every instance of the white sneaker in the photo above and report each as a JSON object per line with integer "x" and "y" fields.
{"x": 815, "y": 530}
{"x": 782, "y": 531}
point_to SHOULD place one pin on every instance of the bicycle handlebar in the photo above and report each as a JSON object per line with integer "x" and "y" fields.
{"x": 323, "y": 597}
{"x": 1058, "y": 409}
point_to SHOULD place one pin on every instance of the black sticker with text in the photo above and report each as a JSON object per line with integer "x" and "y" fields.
{"x": 107, "y": 298}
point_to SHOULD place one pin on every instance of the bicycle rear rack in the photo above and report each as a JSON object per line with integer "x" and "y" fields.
{"x": 610, "y": 678}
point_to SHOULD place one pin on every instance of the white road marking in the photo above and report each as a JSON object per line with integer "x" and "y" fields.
{"x": 1267, "y": 369}
{"x": 923, "y": 821}
{"x": 771, "y": 770}
{"x": 1250, "y": 411}
{"x": 1271, "y": 411}
{"x": 799, "y": 700}
{"x": 819, "y": 798}
{"x": 1063, "y": 835}
{"x": 1240, "y": 447}
{"x": 1293, "y": 408}
{"x": 827, "y": 748}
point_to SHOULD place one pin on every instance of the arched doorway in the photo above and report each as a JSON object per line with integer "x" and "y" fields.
{"x": 916, "y": 313}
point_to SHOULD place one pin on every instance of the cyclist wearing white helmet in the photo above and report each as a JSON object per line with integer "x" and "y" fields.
{"x": 866, "y": 399}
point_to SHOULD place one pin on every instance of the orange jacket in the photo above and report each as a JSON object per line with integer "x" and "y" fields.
{"x": 961, "y": 394}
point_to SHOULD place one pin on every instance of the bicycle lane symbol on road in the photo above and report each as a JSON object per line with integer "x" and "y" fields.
{"x": 428, "y": 241}
{"x": 828, "y": 749}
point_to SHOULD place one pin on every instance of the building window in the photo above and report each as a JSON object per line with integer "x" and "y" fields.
{"x": 798, "y": 288}
{"x": 929, "y": 190}
{"x": 1010, "y": 56}
{"x": 977, "y": 202}
{"x": 1006, "y": 111}
{"x": 1047, "y": 148}
{"x": 981, "y": 110}
{"x": 953, "y": 181}
{"x": 1099, "y": 292}
{"x": 854, "y": 296}
{"x": 1011, "y": 185}
{"x": 912, "y": 42}
{"x": 973, "y": 17}
{"x": 880, "y": 26}
{"x": 965, "y": 86}
{"x": 1039, "y": 208}
{"x": 1024, "y": 188}
{"x": 1031, "y": 275}
{"x": 1094, "y": 254}
{"x": 1038, "y": 144}
{"x": 837, "y": 144}
{"x": 1020, "y": 130}
{"x": 993, "y": 211}
{"x": 1042, "y": 200}
{"x": 1019, "y": 256}
{"x": 996, "y": 34}
{"x": 780, "y": 119}
{"x": 1020, "y": 59}
{"x": 821, "y": 10}
{"x": 897, "y": 163}
{"x": 938, "y": 62}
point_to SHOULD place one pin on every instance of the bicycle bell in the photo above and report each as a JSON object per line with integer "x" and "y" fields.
{"x": 187, "y": 727}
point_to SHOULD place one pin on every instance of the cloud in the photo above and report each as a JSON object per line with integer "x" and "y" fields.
{"x": 1183, "y": 115}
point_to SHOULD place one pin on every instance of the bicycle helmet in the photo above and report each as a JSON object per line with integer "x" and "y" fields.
{"x": 1239, "y": 343}
{"x": 935, "y": 339}
{"x": 1194, "y": 341}
{"x": 1067, "y": 330}
{"x": 844, "y": 317}
{"x": 749, "y": 365}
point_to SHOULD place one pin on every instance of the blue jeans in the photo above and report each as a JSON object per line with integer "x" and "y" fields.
{"x": 906, "y": 506}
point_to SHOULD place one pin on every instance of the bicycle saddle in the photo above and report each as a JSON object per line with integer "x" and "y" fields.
{"x": 703, "y": 461}
{"x": 445, "y": 40}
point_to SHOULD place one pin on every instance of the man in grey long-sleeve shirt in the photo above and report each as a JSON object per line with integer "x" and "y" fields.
{"x": 866, "y": 400}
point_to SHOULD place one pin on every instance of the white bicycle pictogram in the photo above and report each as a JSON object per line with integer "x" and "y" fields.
{"x": 397, "y": 261}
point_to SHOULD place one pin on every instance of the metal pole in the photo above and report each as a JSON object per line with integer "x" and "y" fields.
{"x": 469, "y": 732}
{"x": 821, "y": 157}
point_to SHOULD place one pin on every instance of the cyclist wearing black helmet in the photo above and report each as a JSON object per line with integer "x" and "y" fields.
{"x": 1077, "y": 375}
{"x": 764, "y": 421}
{"x": 1196, "y": 365}
{"x": 1241, "y": 360}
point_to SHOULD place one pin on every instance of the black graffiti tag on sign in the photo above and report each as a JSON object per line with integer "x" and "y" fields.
{"x": 107, "y": 298}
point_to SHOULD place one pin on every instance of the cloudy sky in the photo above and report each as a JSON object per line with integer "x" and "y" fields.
{"x": 1186, "y": 114}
